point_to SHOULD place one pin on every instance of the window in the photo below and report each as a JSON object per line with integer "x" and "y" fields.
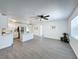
{"x": 74, "y": 28}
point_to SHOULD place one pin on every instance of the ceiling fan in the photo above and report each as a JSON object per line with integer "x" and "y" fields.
{"x": 45, "y": 17}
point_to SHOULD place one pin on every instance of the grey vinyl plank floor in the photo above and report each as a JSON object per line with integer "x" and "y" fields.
{"x": 38, "y": 49}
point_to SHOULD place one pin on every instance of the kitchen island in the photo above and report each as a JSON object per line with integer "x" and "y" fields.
{"x": 26, "y": 36}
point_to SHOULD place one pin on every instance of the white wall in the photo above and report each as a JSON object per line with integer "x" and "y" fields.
{"x": 47, "y": 31}
{"x": 56, "y": 33}
{"x": 73, "y": 42}
{"x": 36, "y": 29}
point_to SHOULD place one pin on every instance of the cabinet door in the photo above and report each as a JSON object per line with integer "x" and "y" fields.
{"x": 3, "y": 21}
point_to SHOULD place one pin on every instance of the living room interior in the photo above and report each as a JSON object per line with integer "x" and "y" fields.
{"x": 39, "y": 29}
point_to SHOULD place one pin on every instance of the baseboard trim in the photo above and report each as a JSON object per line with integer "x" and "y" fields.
{"x": 45, "y": 37}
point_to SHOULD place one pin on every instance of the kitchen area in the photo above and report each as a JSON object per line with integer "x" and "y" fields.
{"x": 10, "y": 31}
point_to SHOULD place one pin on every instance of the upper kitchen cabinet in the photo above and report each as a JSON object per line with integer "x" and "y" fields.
{"x": 3, "y": 21}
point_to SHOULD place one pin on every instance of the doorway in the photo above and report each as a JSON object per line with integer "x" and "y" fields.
{"x": 16, "y": 35}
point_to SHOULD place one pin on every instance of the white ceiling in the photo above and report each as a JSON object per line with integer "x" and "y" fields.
{"x": 22, "y": 9}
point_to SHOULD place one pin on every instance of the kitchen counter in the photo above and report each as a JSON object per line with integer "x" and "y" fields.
{"x": 6, "y": 40}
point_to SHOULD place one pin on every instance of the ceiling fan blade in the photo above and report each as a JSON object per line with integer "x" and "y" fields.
{"x": 47, "y": 16}
{"x": 41, "y": 16}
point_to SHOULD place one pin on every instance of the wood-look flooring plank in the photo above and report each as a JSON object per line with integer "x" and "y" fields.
{"x": 38, "y": 49}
